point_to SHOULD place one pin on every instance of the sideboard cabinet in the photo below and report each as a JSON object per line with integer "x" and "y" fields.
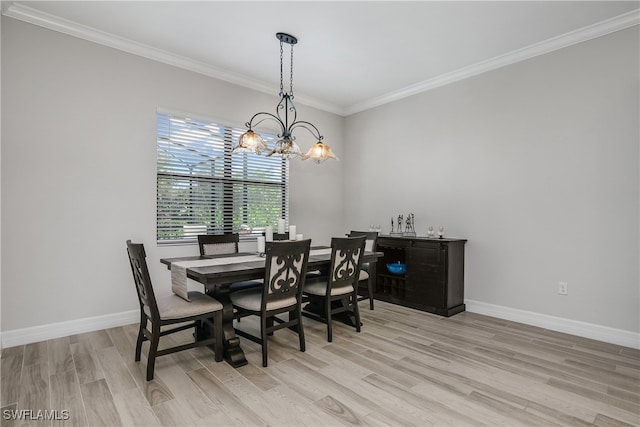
{"x": 434, "y": 278}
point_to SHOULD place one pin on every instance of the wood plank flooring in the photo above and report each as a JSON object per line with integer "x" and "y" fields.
{"x": 406, "y": 368}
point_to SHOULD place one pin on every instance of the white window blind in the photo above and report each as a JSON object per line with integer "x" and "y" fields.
{"x": 204, "y": 189}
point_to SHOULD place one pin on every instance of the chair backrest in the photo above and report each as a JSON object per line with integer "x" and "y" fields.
{"x": 218, "y": 244}
{"x": 142, "y": 280}
{"x": 280, "y": 236}
{"x": 371, "y": 236}
{"x": 285, "y": 271}
{"x": 346, "y": 260}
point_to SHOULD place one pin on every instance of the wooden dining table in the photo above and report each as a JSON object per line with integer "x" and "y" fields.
{"x": 231, "y": 268}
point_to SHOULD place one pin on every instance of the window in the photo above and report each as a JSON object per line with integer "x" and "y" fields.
{"x": 203, "y": 189}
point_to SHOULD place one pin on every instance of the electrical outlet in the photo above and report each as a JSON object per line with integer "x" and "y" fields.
{"x": 563, "y": 288}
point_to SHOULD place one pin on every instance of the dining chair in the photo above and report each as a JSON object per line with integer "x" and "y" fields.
{"x": 285, "y": 268}
{"x": 221, "y": 244}
{"x": 367, "y": 272}
{"x": 342, "y": 282}
{"x": 170, "y": 310}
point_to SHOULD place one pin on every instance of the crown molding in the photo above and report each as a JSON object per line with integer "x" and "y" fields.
{"x": 36, "y": 17}
{"x": 596, "y": 30}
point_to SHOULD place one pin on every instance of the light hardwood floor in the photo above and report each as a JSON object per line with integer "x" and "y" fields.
{"x": 405, "y": 368}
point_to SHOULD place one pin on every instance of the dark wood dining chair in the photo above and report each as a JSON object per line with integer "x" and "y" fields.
{"x": 342, "y": 282}
{"x": 367, "y": 272}
{"x": 170, "y": 310}
{"x": 221, "y": 244}
{"x": 285, "y": 269}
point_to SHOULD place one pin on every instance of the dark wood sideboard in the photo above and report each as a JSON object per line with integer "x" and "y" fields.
{"x": 434, "y": 280}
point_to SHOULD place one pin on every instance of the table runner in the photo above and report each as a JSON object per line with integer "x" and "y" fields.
{"x": 179, "y": 280}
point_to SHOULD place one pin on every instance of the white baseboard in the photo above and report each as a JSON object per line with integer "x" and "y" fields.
{"x": 71, "y": 327}
{"x": 573, "y": 327}
{"x": 568, "y": 326}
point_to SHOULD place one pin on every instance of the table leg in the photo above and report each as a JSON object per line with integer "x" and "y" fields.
{"x": 233, "y": 353}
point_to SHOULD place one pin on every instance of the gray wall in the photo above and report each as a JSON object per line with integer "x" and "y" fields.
{"x": 79, "y": 165}
{"x": 1, "y": 346}
{"x": 535, "y": 163}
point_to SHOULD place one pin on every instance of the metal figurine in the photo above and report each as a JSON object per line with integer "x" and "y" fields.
{"x": 410, "y": 229}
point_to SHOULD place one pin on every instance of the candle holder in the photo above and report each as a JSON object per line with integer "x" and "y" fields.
{"x": 261, "y": 245}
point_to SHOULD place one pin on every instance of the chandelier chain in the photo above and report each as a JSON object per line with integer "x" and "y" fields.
{"x": 281, "y": 83}
{"x": 291, "y": 73}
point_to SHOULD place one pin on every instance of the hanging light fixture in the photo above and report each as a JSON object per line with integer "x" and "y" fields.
{"x": 286, "y": 146}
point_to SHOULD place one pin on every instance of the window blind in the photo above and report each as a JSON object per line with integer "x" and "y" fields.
{"x": 204, "y": 189}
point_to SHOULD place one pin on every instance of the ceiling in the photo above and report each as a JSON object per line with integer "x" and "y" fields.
{"x": 350, "y": 55}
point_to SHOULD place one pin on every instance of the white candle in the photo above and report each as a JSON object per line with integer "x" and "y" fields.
{"x": 261, "y": 244}
{"x": 292, "y": 232}
{"x": 299, "y": 236}
{"x": 281, "y": 226}
{"x": 268, "y": 233}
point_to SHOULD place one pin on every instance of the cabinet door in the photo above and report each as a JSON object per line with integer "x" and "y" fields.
{"x": 426, "y": 275}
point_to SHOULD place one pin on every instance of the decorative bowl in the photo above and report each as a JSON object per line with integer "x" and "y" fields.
{"x": 397, "y": 268}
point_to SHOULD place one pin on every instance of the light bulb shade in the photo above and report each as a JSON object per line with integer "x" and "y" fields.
{"x": 286, "y": 148}
{"x": 320, "y": 152}
{"x": 250, "y": 142}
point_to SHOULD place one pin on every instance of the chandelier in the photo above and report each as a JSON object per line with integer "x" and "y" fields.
{"x": 286, "y": 146}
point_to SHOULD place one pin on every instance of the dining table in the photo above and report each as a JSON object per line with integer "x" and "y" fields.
{"x": 217, "y": 272}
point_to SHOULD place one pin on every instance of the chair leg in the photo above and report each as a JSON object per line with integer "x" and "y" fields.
{"x": 370, "y": 290}
{"x": 139, "y": 342}
{"x": 153, "y": 349}
{"x": 270, "y": 325}
{"x": 263, "y": 335}
{"x": 356, "y": 310}
{"x": 300, "y": 329}
{"x": 328, "y": 314}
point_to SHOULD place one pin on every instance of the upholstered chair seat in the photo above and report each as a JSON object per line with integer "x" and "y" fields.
{"x": 318, "y": 286}
{"x": 174, "y": 307}
{"x": 252, "y": 300}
